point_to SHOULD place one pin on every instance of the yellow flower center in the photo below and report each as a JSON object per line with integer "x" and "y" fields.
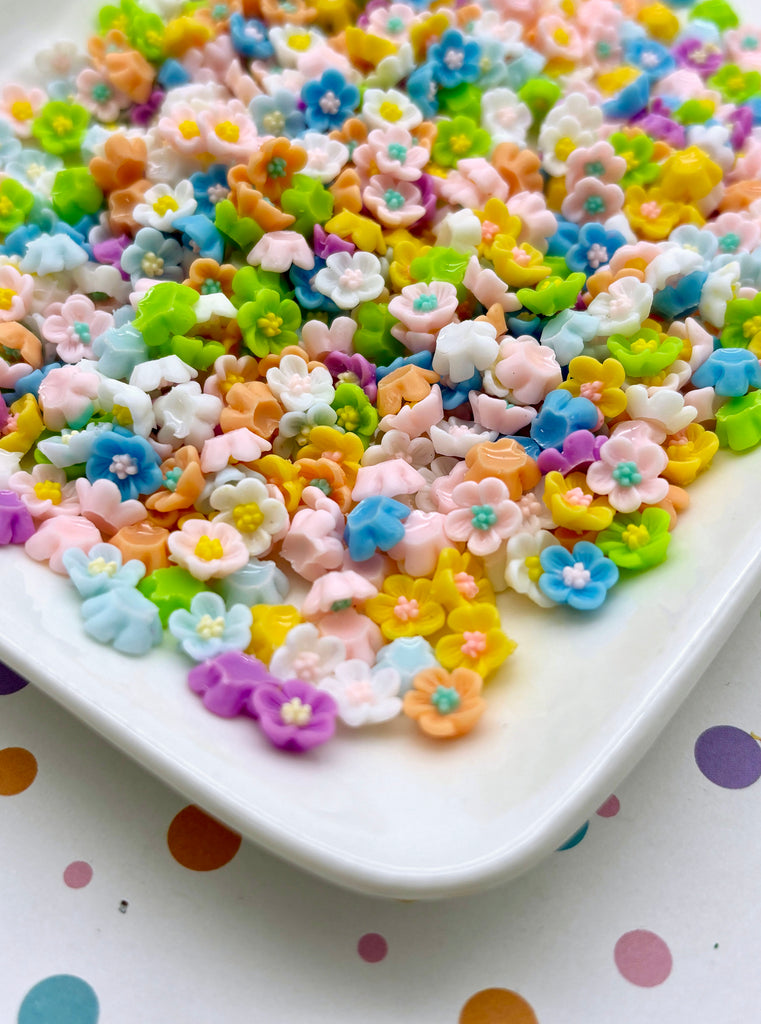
{"x": 227, "y": 383}
{"x": 270, "y": 325}
{"x": 348, "y": 417}
{"x": 189, "y": 130}
{"x": 644, "y": 345}
{"x": 122, "y": 416}
{"x": 299, "y": 41}
{"x": 7, "y": 295}
{"x": 100, "y": 566}
{"x": 390, "y": 111}
{"x": 534, "y": 568}
{"x": 248, "y": 518}
{"x": 227, "y": 131}
{"x": 61, "y": 125}
{"x": 48, "y": 490}
{"x": 635, "y": 537}
{"x": 209, "y": 628}
{"x": 752, "y": 327}
{"x": 459, "y": 144}
{"x": 164, "y": 204}
{"x": 6, "y": 206}
{"x": 21, "y": 110}
{"x": 561, "y": 37}
{"x": 564, "y": 147}
{"x": 208, "y": 549}
{"x": 293, "y": 712}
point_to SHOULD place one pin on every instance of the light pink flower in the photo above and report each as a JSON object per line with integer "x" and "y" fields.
{"x": 73, "y": 329}
{"x": 556, "y": 37}
{"x": 98, "y": 95}
{"x": 744, "y": 47}
{"x": 392, "y": 152}
{"x": 101, "y": 503}
{"x": 537, "y": 222}
{"x": 321, "y": 58}
{"x": 334, "y": 588}
{"x": 628, "y": 472}
{"x": 686, "y": 85}
{"x": 390, "y": 478}
{"x": 592, "y": 200}
{"x": 748, "y": 162}
{"x": 314, "y": 544}
{"x": 586, "y": 161}
{"x": 422, "y": 309}
{"x": 241, "y": 445}
{"x": 442, "y": 488}
{"x": 418, "y": 418}
{"x": 361, "y": 637}
{"x": 207, "y": 550}
{"x": 418, "y": 452}
{"x": 279, "y": 250}
{"x": 497, "y": 414}
{"x": 180, "y": 129}
{"x": 484, "y": 515}
{"x": 228, "y": 131}
{"x": 57, "y": 535}
{"x": 16, "y": 294}
{"x": 401, "y": 17}
{"x": 318, "y": 339}
{"x": 396, "y": 204}
{"x": 19, "y": 107}
{"x": 425, "y": 537}
{"x": 488, "y": 288}
{"x": 241, "y": 85}
{"x": 472, "y": 182}
{"x": 11, "y": 373}
{"x": 45, "y": 492}
{"x": 526, "y": 370}
{"x": 210, "y": 62}
{"x": 746, "y": 228}
{"x": 67, "y": 395}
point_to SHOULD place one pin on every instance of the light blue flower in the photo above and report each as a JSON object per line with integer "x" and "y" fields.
{"x": 153, "y": 255}
{"x": 119, "y": 350}
{"x": 568, "y": 332}
{"x": 30, "y": 165}
{"x": 691, "y": 237}
{"x": 455, "y": 59}
{"x": 730, "y": 371}
{"x": 650, "y": 57}
{"x": 407, "y": 655}
{"x": 127, "y": 460}
{"x": 750, "y": 266}
{"x": 525, "y": 65}
{"x": 50, "y": 254}
{"x": 209, "y": 188}
{"x": 256, "y": 583}
{"x": 580, "y": 578}
{"x": 295, "y": 427}
{"x": 72, "y": 447}
{"x": 209, "y": 628}
{"x": 277, "y": 114}
{"x": 10, "y": 147}
{"x": 123, "y": 618}
{"x": 201, "y": 237}
{"x": 492, "y": 65}
{"x": 101, "y": 569}
{"x": 249, "y": 37}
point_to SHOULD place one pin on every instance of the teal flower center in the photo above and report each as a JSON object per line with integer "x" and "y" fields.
{"x": 626, "y": 474}
{"x": 172, "y": 478}
{"x": 321, "y": 485}
{"x": 210, "y": 287}
{"x": 729, "y": 242}
{"x": 82, "y": 331}
{"x": 750, "y": 43}
{"x": 276, "y": 168}
{"x": 397, "y": 151}
{"x": 101, "y": 92}
{"x": 594, "y": 204}
{"x": 594, "y": 168}
{"x": 219, "y": 12}
{"x": 445, "y": 699}
{"x": 425, "y": 303}
{"x": 603, "y": 49}
{"x": 394, "y": 200}
{"x": 394, "y": 25}
{"x": 342, "y": 605}
{"x": 483, "y": 517}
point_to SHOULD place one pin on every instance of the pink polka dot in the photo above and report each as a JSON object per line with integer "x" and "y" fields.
{"x": 372, "y": 948}
{"x": 643, "y": 958}
{"x": 610, "y": 808}
{"x": 78, "y": 874}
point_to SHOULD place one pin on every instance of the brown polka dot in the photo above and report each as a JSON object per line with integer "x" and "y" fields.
{"x": 497, "y": 1006}
{"x": 199, "y": 842}
{"x": 18, "y": 769}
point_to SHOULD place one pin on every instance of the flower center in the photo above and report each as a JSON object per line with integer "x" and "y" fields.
{"x": 188, "y": 129}
{"x": 445, "y": 699}
{"x": 594, "y": 204}
{"x": 626, "y": 474}
{"x": 564, "y": 147}
{"x": 351, "y": 278}
{"x": 152, "y": 265}
{"x": 48, "y": 490}
{"x": 329, "y": 103}
{"x": 248, "y": 517}
{"x": 209, "y": 628}
{"x": 101, "y": 92}
{"x": 473, "y": 644}
{"x": 483, "y": 517}
{"x": 578, "y": 498}
{"x": 394, "y": 200}
{"x": 269, "y": 325}
{"x": 208, "y": 549}
{"x": 406, "y": 609}
{"x": 172, "y": 478}
{"x": 21, "y": 110}
{"x": 459, "y": 144}
{"x": 99, "y": 566}
{"x": 729, "y": 242}
{"x": 592, "y": 390}
{"x": 390, "y": 111}
{"x": 123, "y": 466}
{"x": 211, "y": 287}
{"x": 227, "y": 131}
{"x": 533, "y": 568}
{"x": 597, "y": 255}
{"x": 397, "y": 152}
{"x": 164, "y": 205}
{"x": 274, "y": 122}
{"x": 62, "y": 125}
{"x": 576, "y": 576}
{"x": 644, "y": 345}
{"x": 277, "y": 167}
{"x": 307, "y": 665}
{"x": 425, "y": 303}
{"x": 293, "y": 712}
{"x": 466, "y": 585}
{"x": 394, "y": 25}
{"x": 635, "y": 537}
{"x": 7, "y": 295}
{"x": 651, "y": 210}
{"x": 300, "y": 41}
{"x": 752, "y": 327}
{"x": 454, "y": 59}
{"x": 360, "y": 692}
{"x": 594, "y": 169}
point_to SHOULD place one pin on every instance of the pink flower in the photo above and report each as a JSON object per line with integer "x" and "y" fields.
{"x": 744, "y": 47}
{"x": 360, "y": 635}
{"x": 323, "y": 57}
{"x": 241, "y": 85}
{"x": 488, "y": 288}
{"x": 279, "y": 250}
{"x": 180, "y": 129}
{"x": 75, "y": 327}
{"x": 425, "y": 536}
{"x": 45, "y": 492}
{"x": 16, "y": 294}
{"x": 392, "y": 152}
{"x": 241, "y": 445}
{"x": 314, "y": 543}
{"x": 336, "y": 587}
{"x": 472, "y": 182}
{"x": 57, "y": 535}
{"x": 592, "y": 200}
{"x": 210, "y": 62}
{"x": 207, "y": 550}
{"x": 97, "y": 94}
{"x": 20, "y": 106}
{"x": 537, "y": 222}
{"x": 401, "y": 17}
{"x": 495, "y": 413}
{"x": 11, "y": 373}
{"x": 556, "y": 37}
{"x": 229, "y": 370}
{"x": 526, "y": 370}
{"x": 442, "y": 488}
{"x": 416, "y": 419}
{"x": 396, "y": 204}
{"x": 597, "y": 161}
{"x": 67, "y": 395}
{"x": 746, "y": 229}
{"x": 483, "y": 516}
{"x": 228, "y": 131}
{"x": 628, "y": 472}
{"x": 101, "y": 503}
{"x": 318, "y": 339}
{"x": 422, "y": 309}
{"x": 389, "y": 478}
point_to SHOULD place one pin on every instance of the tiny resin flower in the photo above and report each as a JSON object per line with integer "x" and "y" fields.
{"x": 475, "y": 640}
{"x": 209, "y": 628}
{"x": 580, "y": 578}
{"x": 364, "y": 696}
{"x": 295, "y": 716}
{"x": 445, "y": 705}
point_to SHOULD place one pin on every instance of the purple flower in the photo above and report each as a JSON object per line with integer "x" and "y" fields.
{"x": 580, "y": 449}
{"x": 741, "y": 119}
{"x": 355, "y": 369}
{"x": 16, "y": 525}
{"x": 705, "y": 58}
{"x": 427, "y": 196}
{"x": 110, "y": 252}
{"x": 226, "y": 683}
{"x": 295, "y": 715}
{"x": 662, "y": 127}
{"x": 325, "y": 245}
{"x": 142, "y": 113}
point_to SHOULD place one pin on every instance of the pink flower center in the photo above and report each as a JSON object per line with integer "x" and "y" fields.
{"x": 577, "y": 497}
{"x": 592, "y": 390}
{"x": 298, "y": 385}
{"x": 651, "y": 210}
{"x": 520, "y": 256}
{"x": 306, "y": 665}
{"x": 351, "y": 279}
{"x": 474, "y": 644}
{"x": 406, "y": 609}
{"x": 489, "y": 231}
{"x": 466, "y": 585}
{"x": 359, "y": 692}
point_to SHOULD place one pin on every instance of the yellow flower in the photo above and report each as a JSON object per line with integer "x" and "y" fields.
{"x": 345, "y": 449}
{"x": 284, "y": 475}
{"x": 271, "y": 625}
{"x": 366, "y": 234}
{"x": 690, "y": 452}
{"x": 365, "y": 48}
{"x": 598, "y": 382}
{"x": 654, "y": 215}
{"x": 496, "y": 220}
{"x": 25, "y": 425}
{"x": 475, "y": 641}
{"x": 689, "y": 175}
{"x": 520, "y": 266}
{"x": 405, "y": 608}
{"x": 459, "y": 580}
{"x": 574, "y": 505}
{"x": 404, "y": 249}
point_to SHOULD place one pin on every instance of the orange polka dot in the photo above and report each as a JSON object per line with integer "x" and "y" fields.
{"x": 18, "y": 769}
{"x": 199, "y": 842}
{"x": 497, "y": 1006}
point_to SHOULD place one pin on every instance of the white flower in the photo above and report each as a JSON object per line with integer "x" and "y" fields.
{"x": 718, "y": 290}
{"x": 672, "y": 261}
{"x": 389, "y": 108}
{"x": 504, "y": 117}
{"x": 571, "y": 124}
{"x": 131, "y": 407}
{"x": 364, "y": 696}
{"x": 463, "y": 348}
{"x": 99, "y": 277}
{"x": 661, "y": 408}
{"x": 291, "y": 42}
{"x": 215, "y": 304}
{"x": 416, "y": 452}
{"x": 325, "y": 157}
{"x": 623, "y": 308}
{"x": 186, "y": 415}
{"x": 714, "y": 141}
{"x": 250, "y": 508}
{"x": 456, "y": 437}
{"x": 160, "y": 373}
{"x": 10, "y": 463}
{"x": 307, "y": 655}
{"x": 163, "y": 205}
{"x": 391, "y": 69}
{"x": 349, "y": 279}
{"x": 522, "y": 569}
{"x": 296, "y": 387}
{"x": 459, "y": 230}
{"x": 536, "y": 515}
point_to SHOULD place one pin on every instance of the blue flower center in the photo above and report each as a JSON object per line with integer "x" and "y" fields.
{"x": 425, "y": 303}
{"x": 397, "y": 152}
{"x": 394, "y": 200}
{"x": 445, "y": 699}
{"x": 82, "y": 331}
{"x": 729, "y": 242}
{"x": 626, "y": 474}
{"x": 483, "y": 517}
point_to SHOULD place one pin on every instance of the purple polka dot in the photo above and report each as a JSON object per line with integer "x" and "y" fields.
{"x": 643, "y": 958}
{"x": 728, "y": 756}
{"x": 610, "y": 808}
{"x": 10, "y": 681}
{"x": 372, "y": 948}
{"x": 78, "y": 874}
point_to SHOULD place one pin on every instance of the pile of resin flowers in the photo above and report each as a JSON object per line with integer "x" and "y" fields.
{"x": 414, "y": 305}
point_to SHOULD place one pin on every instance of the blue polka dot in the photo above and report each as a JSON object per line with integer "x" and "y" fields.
{"x": 575, "y": 838}
{"x": 60, "y": 999}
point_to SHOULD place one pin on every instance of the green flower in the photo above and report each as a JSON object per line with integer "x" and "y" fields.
{"x": 60, "y": 127}
{"x": 75, "y": 194}
{"x": 166, "y": 310}
{"x": 440, "y": 264}
{"x": 200, "y": 353}
{"x": 464, "y": 99}
{"x": 742, "y": 324}
{"x": 355, "y": 412}
{"x": 694, "y": 112}
{"x": 269, "y": 322}
{"x": 646, "y": 352}
{"x": 244, "y": 231}
{"x": 718, "y": 11}
{"x": 459, "y": 139}
{"x": 637, "y": 541}
{"x": 637, "y": 151}
{"x": 539, "y": 95}
{"x": 144, "y": 29}
{"x": 738, "y": 422}
{"x": 249, "y": 281}
{"x": 309, "y": 202}
{"x": 734, "y": 84}
{"x": 373, "y": 338}
{"x": 553, "y": 294}
{"x": 15, "y": 204}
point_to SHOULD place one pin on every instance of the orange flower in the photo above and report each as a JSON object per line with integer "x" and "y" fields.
{"x": 206, "y": 275}
{"x": 272, "y": 167}
{"x": 122, "y": 164}
{"x": 249, "y": 202}
{"x": 409, "y": 383}
{"x": 507, "y": 460}
{"x": 445, "y": 704}
{"x": 183, "y": 482}
{"x": 122, "y": 202}
{"x": 352, "y": 132}
{"x": 518, "y": 167}
{"x": 346, "y": 191}
{"x": 332, "y": 477}
{"x": 253, "y": 406}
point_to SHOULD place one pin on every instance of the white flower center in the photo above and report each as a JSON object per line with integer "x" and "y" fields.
{"x": 209, "y": 628}
{"x": 123, "y": 466}
{"x": 293, "y": 712}
{"x": 306, "y": 665}
{"x": 329, "y": 103}
{"x": 576, "y": 576}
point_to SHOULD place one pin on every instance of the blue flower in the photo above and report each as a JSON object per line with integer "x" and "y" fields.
{"x": 750, "y": 266}
{"x": 153, "y": 255}
{"x": 424, "y": 359}
{"x": 423, "y": 90}
{"x": 119, "y": 350}
{"x": 303, "y": 287}
{"x": 691, "y": 237}
{"x": 559, "y": 416}
{"x": 407, "y": 655}
{"x": 201, "y": 236}
{"x": 72, "y": 447}
{"x": 101, "y": 569}
{"x": 256, "y": 583}
{"x": 568, "y": 332}
{"x": 730, "y": 371}
{"x": 454, "y": 395}
{"x": 678, "y": 299}
{"x": 632, "y": 99}
{"x": 650, "y": 57}
{"x": 594, "y": 248}
{"x": 492, "y": 66}
{"x": 30, "y": 383}
{"x": 126, "y": 459}
{"x": 30, "y": 165}
{"x": 50, "y": 254}
{"x": 375, "y": 524}
{"x": 530, "y": 446}
{"x": 123, "y": 618}
{"x": 249, "y": 37}
{"x": 329, "y": 101}
{"x": 580, "y": 578}
{"x": 10, "y": 147}
{"x": 209, "y": 628}
{"x": 278, "y": 114}
{"x": 209, "y": 188}
{"x": 454, "y": 59}
{"x": 172, "y": 74}
{"x": 566, "y": 236}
